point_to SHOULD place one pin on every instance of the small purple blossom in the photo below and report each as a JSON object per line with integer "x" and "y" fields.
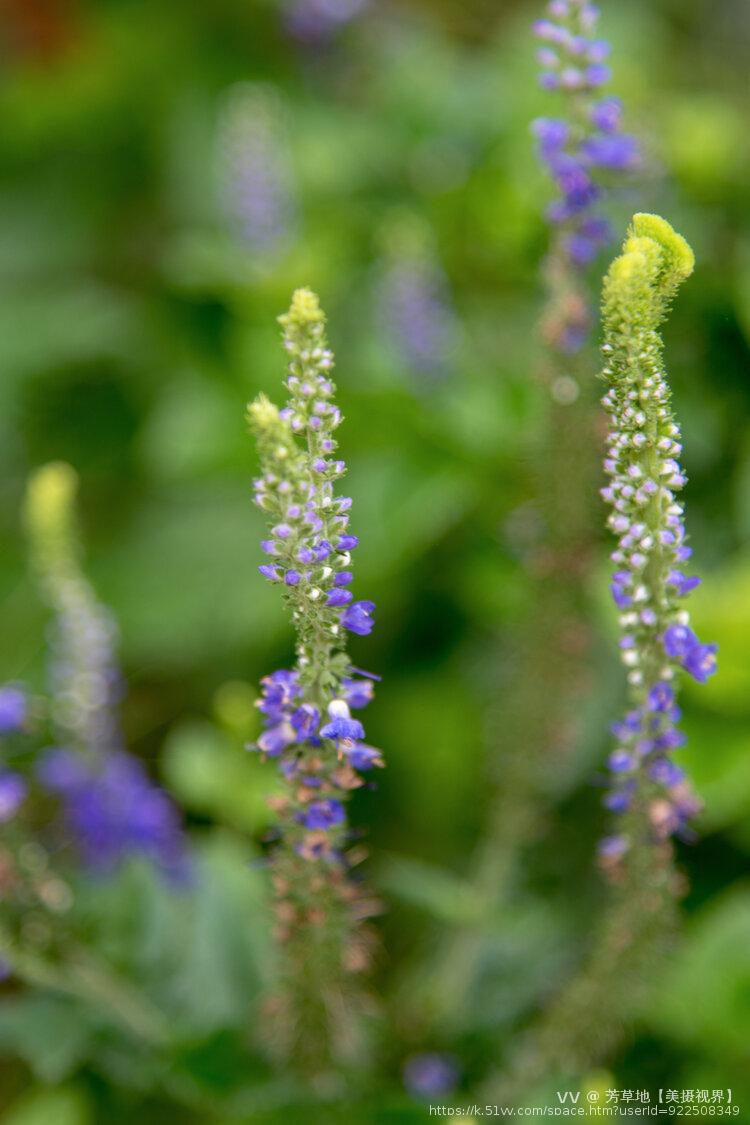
{"x": 13, "y": 709}
{"x": 339, "y": 597}
{"x": 324, "y": 814}
{"x": 13, "y": 790}
{"x": 430, "y": 1075}
{"x": 617, "y": 153}
{"x": 305, "y": 721}
{"x": 341, "y": 727}
{"x": 682, "y": 583}
{"x": 607, "y": 114}
{"x": 357, "y": 618}
{"x": 363, "y": 757}
{"x": 357, "y": 693}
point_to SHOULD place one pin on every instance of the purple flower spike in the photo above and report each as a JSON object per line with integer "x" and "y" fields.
{"x": 584, "y": 152}
{"x": 644, "y": 477}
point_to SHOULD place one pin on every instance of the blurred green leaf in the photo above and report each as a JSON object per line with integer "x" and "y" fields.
{"x": 52, "y": 1035}
{"x": 211, "y": 774}
{"x": 703, "y": 997}
{"x": 67, "y": 1105}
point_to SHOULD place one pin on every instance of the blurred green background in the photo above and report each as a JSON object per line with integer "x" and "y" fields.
{"x": 136, "y": 320}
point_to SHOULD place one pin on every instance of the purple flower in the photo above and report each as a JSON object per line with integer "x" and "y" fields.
{"x": 13, "y": 708}
{"x": 430, "y": 1075}
{"x": 682, "y": 583}
{"x": 342, "y": 727}
{"x": 13, "y": 791}
{"x": 619, "y": 799}
{"x": 551, "y": 133}
{"x": 292, "y": 578}
{"x": 357, "y": 618}
{"x": 347, "y": 542}
{"x": 679, "y": 640}
{"x": 255, "y": 169}
{"x": 576, "y": 148}
{"x": 277, "y": 738}
{"x": 363, "y": 757}
{"x": 700, "y": 661}
{"x": 618, "y": 153}
{"x": 280, "y": 689}
{"x": 665, "y": 772}
{"x": 606, "y": 114}
{"x": 314, "y": 22}
{"x": 339, "y": 597}
{"x": 323, "y": 814}
{"x": 661, "y": 696}
{"x": 621, "y": 761}
{"x": 357, "y": 693}
{"x": 114, "y": 811}
{"x": 305, "y": 721}
{"x": 598, "y": 74}
{"x": 417, "y": 315}
{"x": 613, "y": 847}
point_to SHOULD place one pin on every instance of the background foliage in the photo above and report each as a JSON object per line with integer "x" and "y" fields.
{"x": 133, "y": 329}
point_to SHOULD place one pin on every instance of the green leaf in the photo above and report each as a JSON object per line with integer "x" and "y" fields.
{"x": 212, "y": 775}
{"x": 225, "y": 960}
{"x": 52, "y": 1035}
{"x": 704, "y": 995}
{"x": 64, "y": 1106}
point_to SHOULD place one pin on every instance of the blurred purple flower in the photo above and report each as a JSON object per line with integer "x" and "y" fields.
{"x": 255, "y": 172}
{"x": 13, "y": 709}
{"x": 114, "y": 811}
{"x": 430, "y": 1075}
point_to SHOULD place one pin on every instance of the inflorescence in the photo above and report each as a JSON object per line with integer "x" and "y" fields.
{"x": 110, "y": 808}
{"x": 649, "y": 584}
{"x": 307, "y": 711}
{"x": 255, "y": 172}
{"x": 581, "y": 149}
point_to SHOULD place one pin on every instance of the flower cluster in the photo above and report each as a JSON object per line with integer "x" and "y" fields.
{"x": 649, "y": 584}
{"x": 113, "y": 811}
{"x": 431, "y": 1075}
{"x": 417, "y": 315}
{"x": 317, "y": 21}
{"x": 307, "y": 712}
{"x": 254, "y": 168}
{"x": 13, "y": 787}
{"x": 580, "y": 149}
{"x": 110, "y": 807}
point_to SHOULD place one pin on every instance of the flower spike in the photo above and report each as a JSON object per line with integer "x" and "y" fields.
{"x": 306, "y": 711}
